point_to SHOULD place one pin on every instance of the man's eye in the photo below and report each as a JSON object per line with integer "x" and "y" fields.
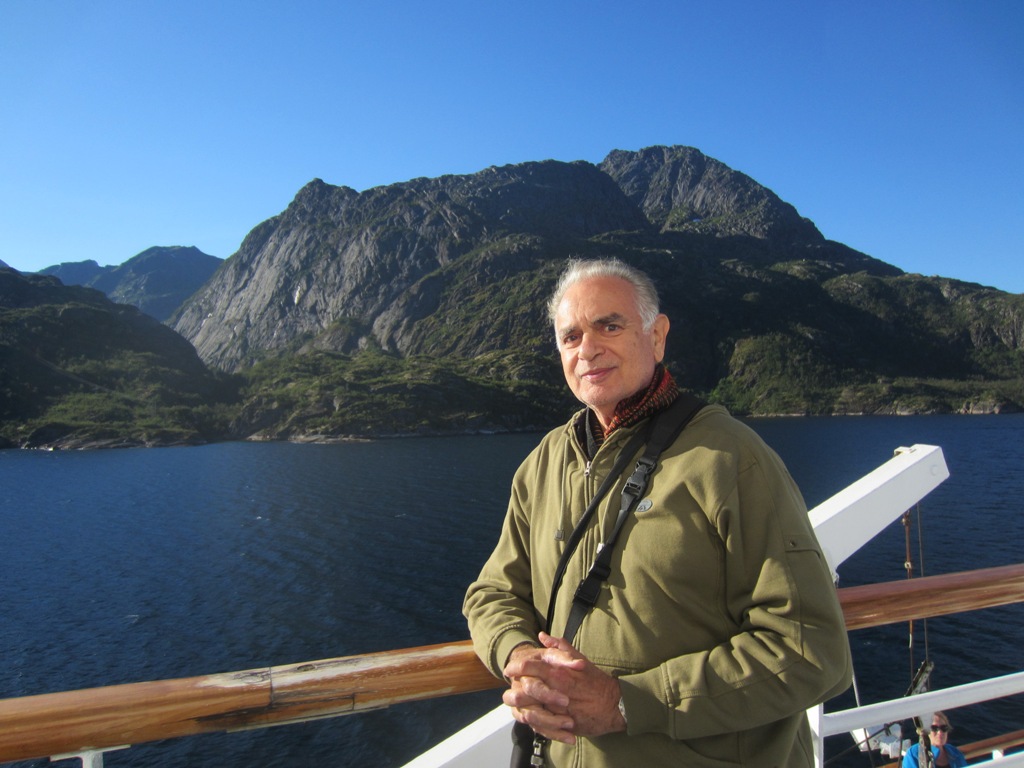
{"x": 612, "y": 327}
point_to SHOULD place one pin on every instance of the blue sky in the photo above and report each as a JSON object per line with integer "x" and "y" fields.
{"x": 897, "y": 127}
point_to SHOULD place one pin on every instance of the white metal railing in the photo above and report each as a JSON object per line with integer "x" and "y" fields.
{"x": 870, "y": 716}
{"x": 928, "y": 702}
{"x": 1005, "y": 761}
{"x": 91, "y": 758}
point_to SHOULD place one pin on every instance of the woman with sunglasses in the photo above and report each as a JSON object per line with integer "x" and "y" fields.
{"x": 943, "y": 753}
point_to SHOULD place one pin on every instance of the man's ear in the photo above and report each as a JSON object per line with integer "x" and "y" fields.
{"x": 659, "y": 332}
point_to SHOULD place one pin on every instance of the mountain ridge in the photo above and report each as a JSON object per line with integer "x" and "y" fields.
{"x": 419, "y": 307}
{"x": 323, "y": 256}
{"x": 776, "y": 317}
{"x": 157, "y": 280}
{"x": 80, "y": 370}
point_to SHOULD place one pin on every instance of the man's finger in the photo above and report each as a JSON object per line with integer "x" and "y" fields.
{"x": 554, "y": 727}
{"x": 527, "y": 691}
{"x": 549, "y": 667}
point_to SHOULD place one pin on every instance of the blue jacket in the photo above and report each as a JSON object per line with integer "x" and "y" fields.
{"x": 956, "y": 757}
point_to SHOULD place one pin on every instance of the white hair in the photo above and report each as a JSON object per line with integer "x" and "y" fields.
{"x": 646, "y": 294}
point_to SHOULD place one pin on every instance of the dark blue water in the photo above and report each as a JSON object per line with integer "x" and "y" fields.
{"x": 120, "y": 566}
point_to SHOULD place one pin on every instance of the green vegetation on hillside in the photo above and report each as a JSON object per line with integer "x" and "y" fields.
{"x": 77, "y": 370}
{"x": 325, "y": 394}
{"x": 419, "y": 308}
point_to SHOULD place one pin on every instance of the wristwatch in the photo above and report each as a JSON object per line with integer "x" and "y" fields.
{"x": 622, "y": 708}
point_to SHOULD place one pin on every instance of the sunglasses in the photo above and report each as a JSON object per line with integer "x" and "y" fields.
{"x": 940, "y": 729}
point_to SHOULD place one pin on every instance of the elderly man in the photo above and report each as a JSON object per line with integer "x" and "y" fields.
{"x": 718, "y": 625}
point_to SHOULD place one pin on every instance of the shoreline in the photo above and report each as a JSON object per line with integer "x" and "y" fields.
{"x": 85, "y": 443}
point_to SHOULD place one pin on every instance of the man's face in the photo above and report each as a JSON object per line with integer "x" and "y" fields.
{"x": 606, "y": 354}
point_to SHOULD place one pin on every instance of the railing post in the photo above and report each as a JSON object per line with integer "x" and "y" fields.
{"x": 91, "y": 758}
{"x": 815, "y": 716}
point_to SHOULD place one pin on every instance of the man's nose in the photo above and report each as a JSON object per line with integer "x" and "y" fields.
{"x": 590, "y": 346}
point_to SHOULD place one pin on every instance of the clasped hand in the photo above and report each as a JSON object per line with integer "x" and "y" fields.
{"x": 559, "y": 693}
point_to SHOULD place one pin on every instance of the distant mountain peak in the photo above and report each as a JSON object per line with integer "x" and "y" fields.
{"x": 681, "y": 189}
{"x": 157, "y": 280}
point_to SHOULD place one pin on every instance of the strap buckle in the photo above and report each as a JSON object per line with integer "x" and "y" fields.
{"x": 537, "y": 758}
{"x": 589, "y": 588}
{"x": 637, "y": 482}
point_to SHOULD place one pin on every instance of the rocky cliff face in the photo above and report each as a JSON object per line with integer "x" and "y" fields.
{"x": 681, "y": 189}
{"x": 340, "y": 269}
{"x": 374, "y": 261}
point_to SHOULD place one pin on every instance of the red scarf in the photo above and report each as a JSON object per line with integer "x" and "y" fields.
{"x": 658, "y": 395}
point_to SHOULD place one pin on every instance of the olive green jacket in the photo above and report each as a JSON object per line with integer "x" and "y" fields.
{"x": 719, "y": 619}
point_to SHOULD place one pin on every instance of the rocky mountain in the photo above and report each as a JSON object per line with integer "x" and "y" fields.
{"x": 679, "y": 189}
{"x": 769, "y": 316}
{"x": 339, "y": 269}
{"x": 77, "y": 370}
{"x": 157, "y": 281}
{"x": 419, "y": 308}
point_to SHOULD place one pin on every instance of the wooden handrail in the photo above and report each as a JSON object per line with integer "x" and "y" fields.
{"x": 98, "y": 718}
{"x": 112, "y": 716}
{"x": 988, "y": 746}
{"x": 890, "y": 602}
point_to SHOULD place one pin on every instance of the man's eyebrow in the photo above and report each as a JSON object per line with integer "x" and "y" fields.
{"x": 614, "y": 317}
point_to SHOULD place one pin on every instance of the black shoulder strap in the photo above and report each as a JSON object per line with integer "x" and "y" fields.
{"x": 577, "y": 533}
{"x": 662, "y": 433}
